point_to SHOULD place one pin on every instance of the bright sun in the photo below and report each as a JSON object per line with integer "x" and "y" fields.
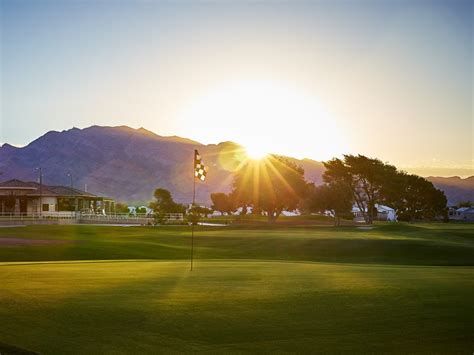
{"x": 265, "y": 117}
{"x": 256, "y": 152}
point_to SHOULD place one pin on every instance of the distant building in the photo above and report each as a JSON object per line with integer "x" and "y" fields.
{"x": 451, "y": 211}
{"x": 462, "y": 214}
{"x": 31, "y": 198}
{"x": 384, "y": 213}
{"x": 133, "y": 210}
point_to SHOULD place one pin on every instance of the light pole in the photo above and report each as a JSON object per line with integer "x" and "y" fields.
{"x": 72, "y": 183}
{"x": 72, "y": 188}
{"x": 40, "y": 171}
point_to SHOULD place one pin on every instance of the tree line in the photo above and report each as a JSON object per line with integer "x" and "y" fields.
{"x": 277, "y": 184}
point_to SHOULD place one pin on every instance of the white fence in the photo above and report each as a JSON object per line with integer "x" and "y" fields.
{"x": 78, "y": 217}
{"x": 75, "y": 217}
{"x": 174, "y": 217}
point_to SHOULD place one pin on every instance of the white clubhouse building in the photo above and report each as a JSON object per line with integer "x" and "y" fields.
{"x": 29, "y": 198}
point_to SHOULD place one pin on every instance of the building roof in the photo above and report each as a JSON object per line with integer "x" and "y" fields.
{"x": 380, "y": 208}
{"x": 465, "y": 210}
{"x": 383, "y": 208}
{"x": 46, "y": 190}
{"x": 14, "y": 183}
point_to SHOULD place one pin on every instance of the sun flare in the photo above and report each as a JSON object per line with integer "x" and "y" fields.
{"x": 256, "y": 152}
{"x": 264, "y": 117}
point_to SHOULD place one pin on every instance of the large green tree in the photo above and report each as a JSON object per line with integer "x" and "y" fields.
{"x": 271, "y": 185}
{"x": 373, "y": 182}
{"x": 417, "y": 199}
{"x": 335, "y": 198}
{"x": 366, "y": 178}
{"x": 464, "y": 204}
{"x": 224, "y": 203}
{"x": 164, "y": 204}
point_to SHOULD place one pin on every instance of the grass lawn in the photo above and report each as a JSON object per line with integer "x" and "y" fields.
{"x": 87, "y": 289}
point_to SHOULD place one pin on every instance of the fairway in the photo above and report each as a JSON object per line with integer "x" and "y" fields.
{"x": 113, "y": 290}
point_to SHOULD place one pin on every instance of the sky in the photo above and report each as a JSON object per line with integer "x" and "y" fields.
{"x": 311, "y": 79}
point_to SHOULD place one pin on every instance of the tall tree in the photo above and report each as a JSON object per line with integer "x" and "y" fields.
{"x": 272, "y": 185}
{"x": 418, "y": 199}
{"x": 374, "y": 182}
{"x": 366, "y": 178}
{"x": 335, "y": 198}
{"x": 164, "y": 202}
{"x": 464, "y": 204}
{"x": 222, "y": 202}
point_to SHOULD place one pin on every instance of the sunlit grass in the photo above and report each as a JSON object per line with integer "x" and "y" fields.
{"x": 253, "y": 289}
{"x": 223, "y": 306}
{"x": 427, "y": 244}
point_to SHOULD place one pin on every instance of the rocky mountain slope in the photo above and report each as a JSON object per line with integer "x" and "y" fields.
{"x": 128, "y": 164}
{"x": 456, "y": 189}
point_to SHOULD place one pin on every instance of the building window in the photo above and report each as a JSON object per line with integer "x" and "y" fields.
{"x": 45, "y": 207}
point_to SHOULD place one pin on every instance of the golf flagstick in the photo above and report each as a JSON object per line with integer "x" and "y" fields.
{"x": 192, "y": 220}
{"x": 199, "y": 172}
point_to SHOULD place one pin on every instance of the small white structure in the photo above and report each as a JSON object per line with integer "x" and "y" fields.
{"x": 283, "y": 213}
{"x": 462, "y": 214}
{"x": 28, "y": 198}
{"x": 238, "y": 211}
{"x": 291, "y": 213}
{"x": 384, "y": 213}
{"x": 133, "y": 210}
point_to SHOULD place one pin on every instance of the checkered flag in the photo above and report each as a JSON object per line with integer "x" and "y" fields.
{"x": 200, "y": 170}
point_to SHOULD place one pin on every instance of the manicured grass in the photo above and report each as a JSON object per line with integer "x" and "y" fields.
{"x": 144, "y": 307}
{"x": 394, "y": 289}
{"x": 282, "y": 220}
{"x": 427, "y": 244}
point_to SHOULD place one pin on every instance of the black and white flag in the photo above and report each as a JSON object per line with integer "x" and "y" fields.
{"x": 199, "y": 168}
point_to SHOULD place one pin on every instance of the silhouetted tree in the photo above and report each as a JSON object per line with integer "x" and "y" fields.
{"x": 196, "y": 212}
{"x": 374, "y": 182}
{"x": 366, "y": 178}
{"x": 335, "y": 198}
{"x": 202, "y": 211}
{"x": 464, "y": 204}
{"x": 222, "y": 202}
{"x": 164, "y": 204}
{"x": 418, "y": 199}
{"x": 271, "y": 185}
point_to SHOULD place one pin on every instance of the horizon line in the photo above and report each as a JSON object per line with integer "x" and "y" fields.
{"x": 469, "y": 170}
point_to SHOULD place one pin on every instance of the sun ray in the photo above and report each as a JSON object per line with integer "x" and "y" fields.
{"x": 245, "y": 179}
{"x": 269, "y": 182}
{"x": 256, "y": 152}
{"x": 241, "y": 159}
{"x": 280, "y": 177}
{"x": 256, "y": 182}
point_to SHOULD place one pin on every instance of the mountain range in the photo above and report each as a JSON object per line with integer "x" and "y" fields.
{"x": 456, "y": 189}
{"x": 128, "y": 164}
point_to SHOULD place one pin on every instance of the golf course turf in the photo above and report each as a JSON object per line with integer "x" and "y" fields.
{"x": 397, "y": 288}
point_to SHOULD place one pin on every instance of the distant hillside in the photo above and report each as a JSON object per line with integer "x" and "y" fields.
{"x": 127, "y": 164}
{"x": 456, "y": 189}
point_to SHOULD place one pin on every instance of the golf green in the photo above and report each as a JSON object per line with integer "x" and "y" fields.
{"x": 247, "y": 293}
